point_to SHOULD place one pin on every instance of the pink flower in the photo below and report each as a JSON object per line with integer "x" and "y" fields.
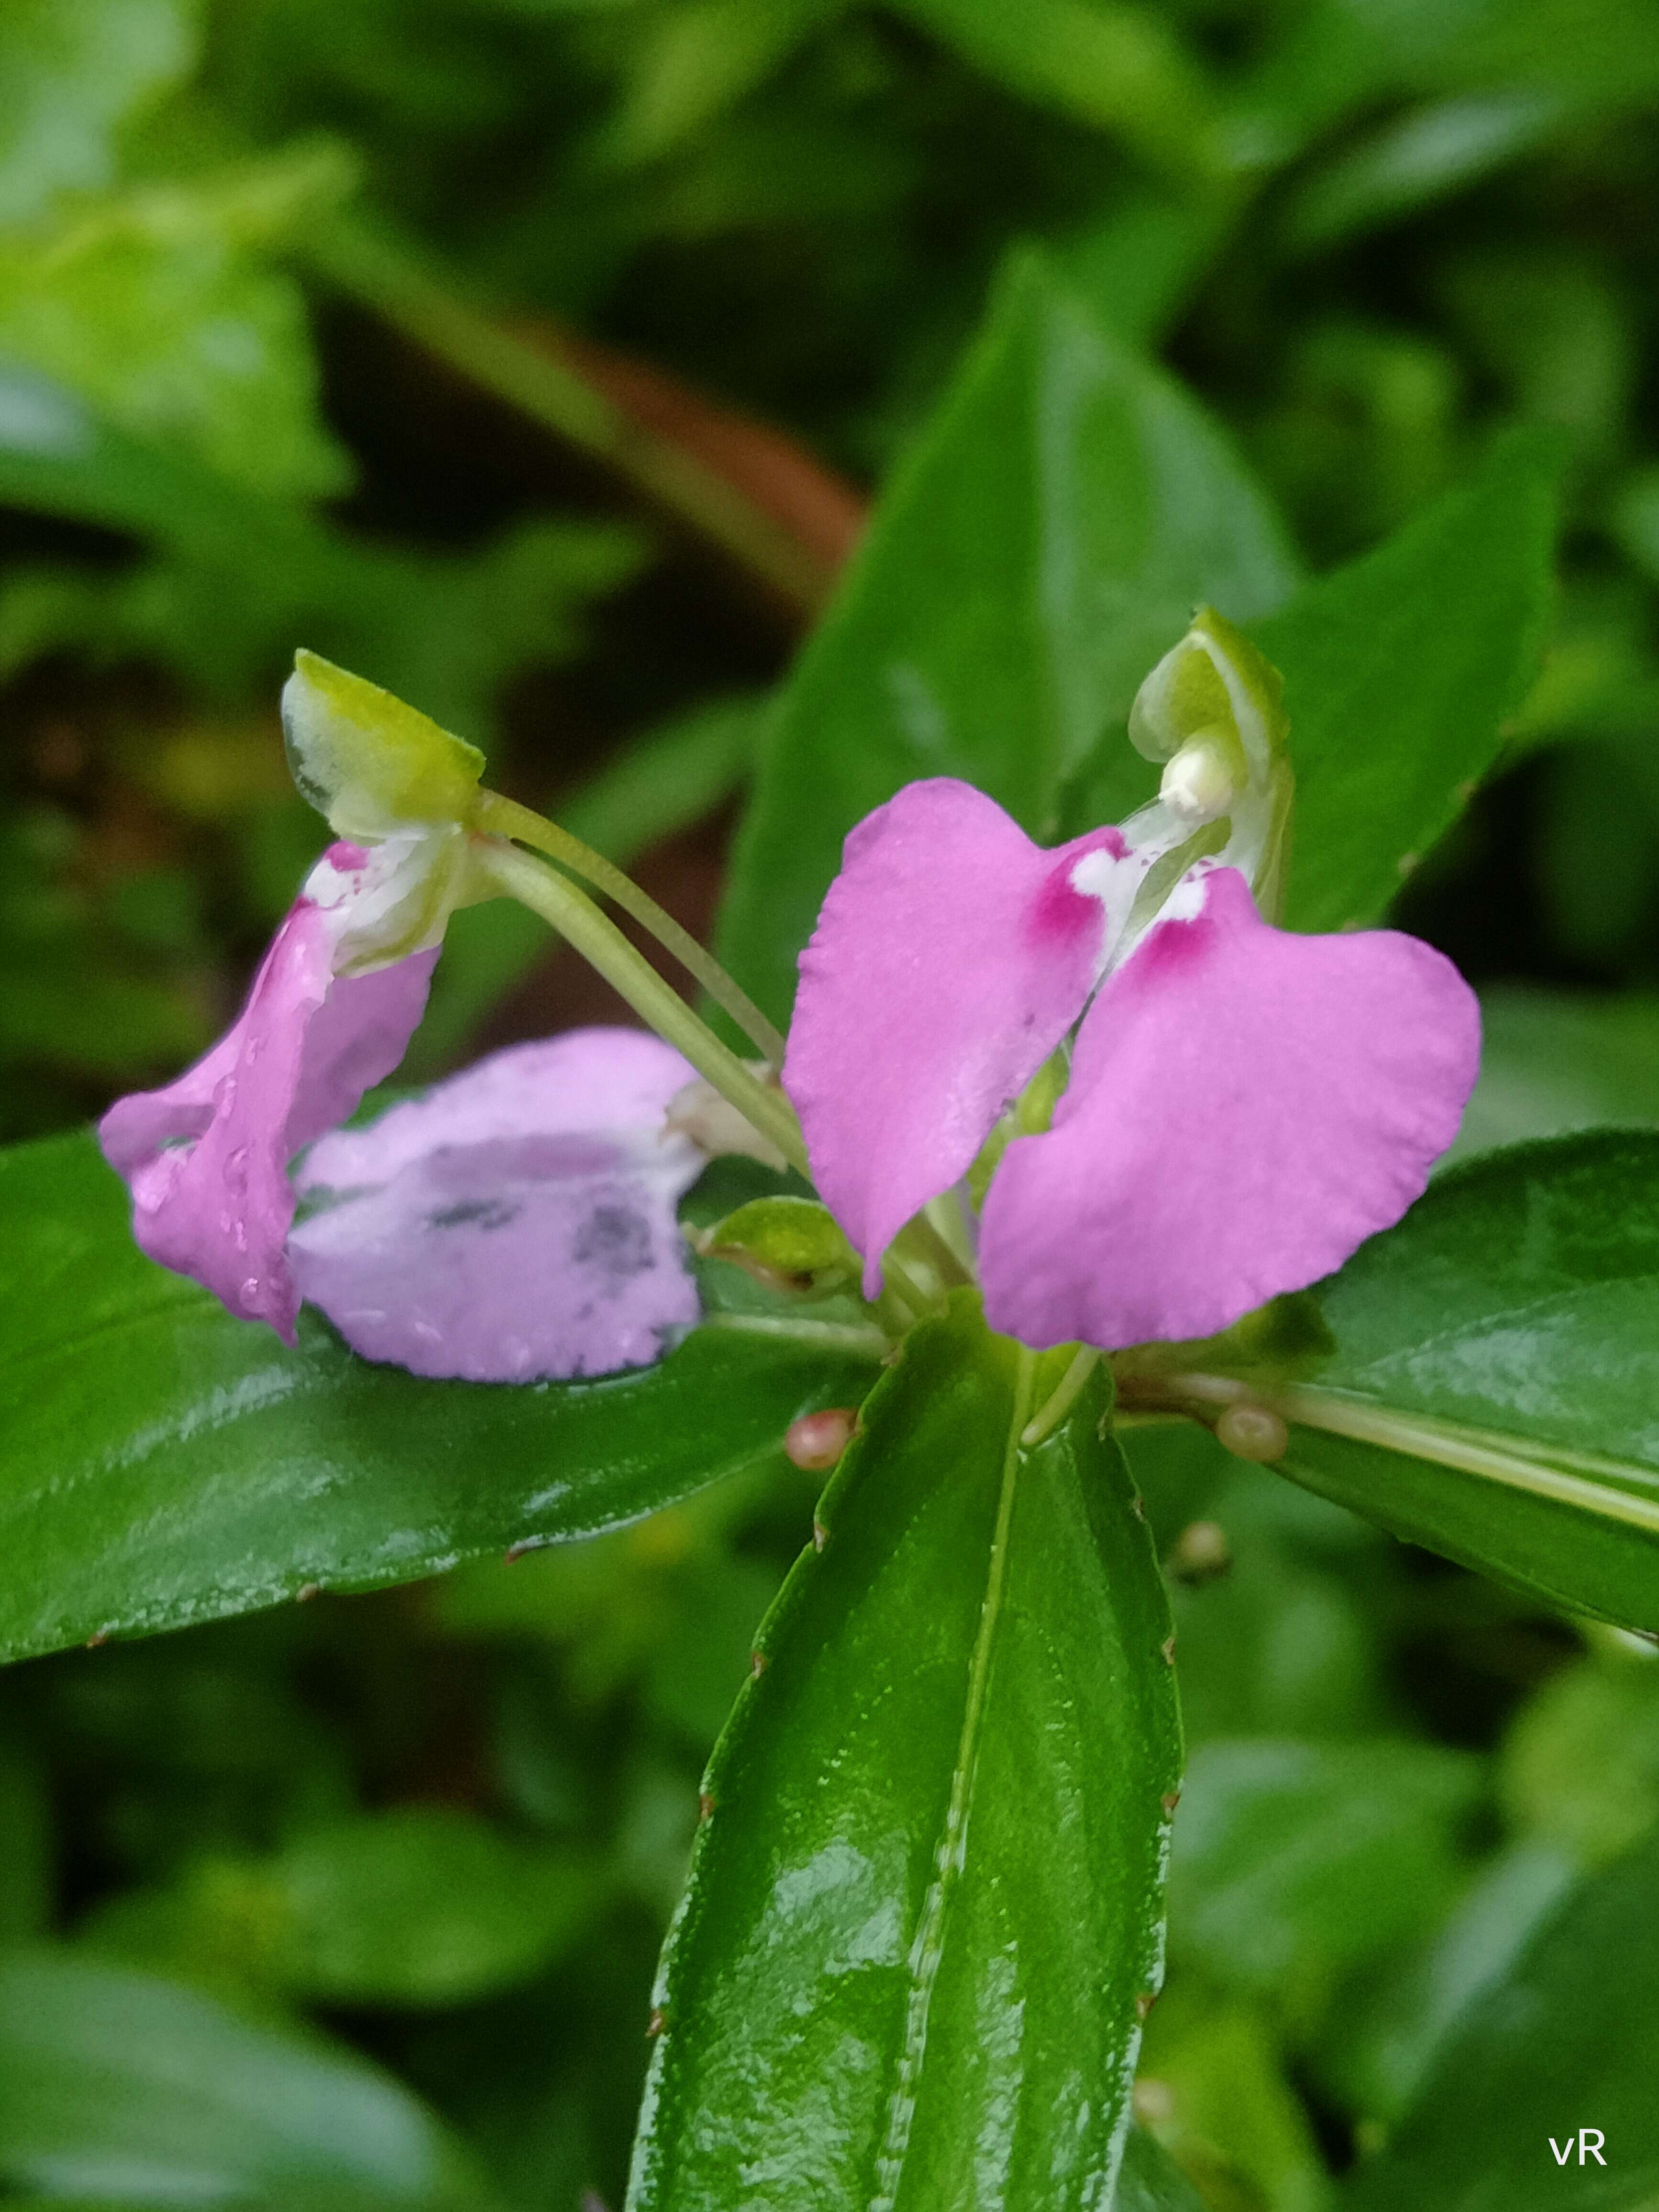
{"x": 516, "y": 1222}
{"x": 206, "y": 1157}
{"x": 1244, "y": 1107}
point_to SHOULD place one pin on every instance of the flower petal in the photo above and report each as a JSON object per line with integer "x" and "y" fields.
{"x": 1246, "y": 1107}
{"x": 206, "y": 1157}
{"x": 950, "y": 957}
{"x": 518, "y": 1223}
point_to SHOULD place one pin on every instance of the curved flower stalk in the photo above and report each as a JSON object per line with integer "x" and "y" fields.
{"x": 1184, "y": 1111}
{"x": 519, "y": 1221}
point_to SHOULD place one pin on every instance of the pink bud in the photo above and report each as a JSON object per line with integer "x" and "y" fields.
{"x": 816, "y": 1441}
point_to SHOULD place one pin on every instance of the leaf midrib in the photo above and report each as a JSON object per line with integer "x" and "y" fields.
{"x": 927, "y": 1951}
{"x": 1544, "y": 1471}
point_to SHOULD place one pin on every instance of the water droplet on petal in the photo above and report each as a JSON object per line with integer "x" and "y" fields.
{"x": 250, "y": 1292}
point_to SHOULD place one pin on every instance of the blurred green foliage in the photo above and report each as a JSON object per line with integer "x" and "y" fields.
{"x": 383, "y": 1878}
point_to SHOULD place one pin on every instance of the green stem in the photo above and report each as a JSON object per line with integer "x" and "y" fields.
{"x": 602, "y": 944}
{"x": 504, "y": 818}
{"x": 397, "y": 282}
{"x": 1598, "y": 1488}
{"x": 1064, "y": 1395}
{"x": 926, "y": 1241}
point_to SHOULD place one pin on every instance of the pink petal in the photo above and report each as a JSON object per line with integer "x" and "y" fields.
{"x": 1246, "y": 1107}
{"x": 518, "y": 1223}
{"x": 206, "y": 1157}
{"x": 950, "y": 957}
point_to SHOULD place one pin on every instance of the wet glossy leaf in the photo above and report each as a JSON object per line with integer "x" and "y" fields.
{"x": 213, "y": 1470}
{"x": 1496, "y": 1371}
{"x": 1399, "y": 671}
{"x": 1568, "y": 2039}
{"x": 116, "y": 2085}
{"x": 926, "y": 1893}
{"x": 1043, "y": 546}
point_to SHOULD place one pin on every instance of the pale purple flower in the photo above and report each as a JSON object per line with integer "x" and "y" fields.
{"x": 206, "y": 1157}
{"x": 1244, "y": 1106}
{"x": 516, "y": 1222}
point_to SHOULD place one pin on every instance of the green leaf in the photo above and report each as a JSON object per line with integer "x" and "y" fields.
{"x": 421, "y": 1905}
{"x": 1568, "y": 2039}
{"x": 1380, "y": 2058}
{"x": 1580, "y": 1766}
{"x": 213, "y": 1470}
{"x": 701, "y": 59}
{"x": 1493, "y": 1392}
{"x": 1043, "y": 546}
{"x": 925, "y": 1901}
{"x": 242, "y": 580}
{"x": 1399, "y": 671}
{"x": 1116, "y": 67}
{"x": 1149, "y": 2181}
{"x": 118, "y": 2086}
{"x": 1214, "y": 2086}
{"x": 1295, "y": 1861}
{"x": 159, "y": 310}
{"x": 1416, "y": 159}
{"x": 73, "y": 70}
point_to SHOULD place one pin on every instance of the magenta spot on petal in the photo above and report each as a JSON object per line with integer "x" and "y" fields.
{"x": 1246, "y": 1107}
{"x": 1060, "y": 915}
{"x": 345, "y": 857}
{"x": 1171, "y": 951}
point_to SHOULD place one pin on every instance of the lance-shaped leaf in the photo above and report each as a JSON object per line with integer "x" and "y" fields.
{"x": 1494, "y": 1393}
{"x": 926, "y": 1906}
{"x": 162, "y": 1462}
{"x": 1044, "y": 546}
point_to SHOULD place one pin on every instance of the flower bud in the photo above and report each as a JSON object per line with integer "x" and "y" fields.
{"x": 1214, "y": 686}
{"x": 372, "y": 765}
{"x": 1203, "y": 779}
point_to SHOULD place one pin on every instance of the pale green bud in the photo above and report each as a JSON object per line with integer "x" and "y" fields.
{"x": 1212, "y": 711}
{"x": 372, "y": 765}
{"x": 1214, "y": 685}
